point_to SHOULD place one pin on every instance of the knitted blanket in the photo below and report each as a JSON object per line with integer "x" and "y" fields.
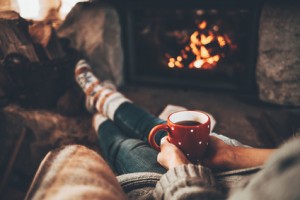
{"x": 74, "y": 171}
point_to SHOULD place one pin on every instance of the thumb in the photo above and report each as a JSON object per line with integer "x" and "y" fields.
{"x": 163, "y": 140}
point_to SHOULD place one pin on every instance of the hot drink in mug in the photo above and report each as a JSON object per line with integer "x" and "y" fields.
{"x": 189, "y": 130}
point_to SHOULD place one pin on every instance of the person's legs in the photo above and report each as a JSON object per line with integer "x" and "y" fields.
{"x": 124, "y": 154}
{"x": 133, "y": 120}
{"x": 137, "y": 122}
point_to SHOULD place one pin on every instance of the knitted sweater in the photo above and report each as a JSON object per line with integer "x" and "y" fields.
{"x": 74, "y": 172}
{"x": 187, "y": 182}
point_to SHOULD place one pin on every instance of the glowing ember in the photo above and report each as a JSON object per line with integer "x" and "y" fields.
{"x": 198, "y": 63}
{"x": 202, "y": 25}
{"x": 204, "y": 50}
{"x": 221, "y": 41}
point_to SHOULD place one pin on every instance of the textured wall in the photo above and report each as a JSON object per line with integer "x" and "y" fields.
{"x": 94, "y": 30}
{"x": 278, "y": 67}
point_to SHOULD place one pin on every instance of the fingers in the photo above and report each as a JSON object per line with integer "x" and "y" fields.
{"x": 165, "y": 144}
{"x": 170, "y": 155}
{"x": 163, "y": 140}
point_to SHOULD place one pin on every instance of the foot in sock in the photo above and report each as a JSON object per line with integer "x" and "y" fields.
{"x": 100, "y": 96}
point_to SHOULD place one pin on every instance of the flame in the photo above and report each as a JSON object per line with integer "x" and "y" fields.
{"x": 194, "y": 39}
{"x": 172, "y": 62}
{"x": 204, "y": 53}
{"x": 202, "y": 25}
{"x": 201, "y": 47}
{"x": 206, "y": 39}
{"x": 198, "y": 63}
{"x": 221, "y": 41}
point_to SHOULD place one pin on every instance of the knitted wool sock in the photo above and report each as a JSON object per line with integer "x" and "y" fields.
{"x": 101, "y": 97}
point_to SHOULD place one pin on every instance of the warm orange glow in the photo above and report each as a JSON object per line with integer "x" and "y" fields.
{"x": 206, "y": 39}
{"x": 202, "y": 25}
{"x": 194, "y": 39}
{"x": 200, "y": 51}
{"x": 198, "y": 63}
{"x": 194, "y": 48}
{"x": 210, "y": 60}
{"x": 204, "y": 52}
{"x": 216, "y": 58}
{"x": 221, "y": 41}
{"x": 178, "y": 64}
{"x": 171, "y": 65}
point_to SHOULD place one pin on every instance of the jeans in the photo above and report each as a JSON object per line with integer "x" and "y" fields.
{"x": 123, "y": 141}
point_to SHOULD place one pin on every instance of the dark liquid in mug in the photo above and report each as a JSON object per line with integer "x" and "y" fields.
{"x": 188, "y": 123}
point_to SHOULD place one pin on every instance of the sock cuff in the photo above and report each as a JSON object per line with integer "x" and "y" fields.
{"x": 113, "y": 103}
{"x": 102, "y": 98}
{"x": 98, "y": 119}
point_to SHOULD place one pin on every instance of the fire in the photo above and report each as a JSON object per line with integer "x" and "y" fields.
{"x": 221, "y": 41}
{"x": 204, "y": 49}
{"x": 202, "y": 25}
{"x": 175, "y": 62}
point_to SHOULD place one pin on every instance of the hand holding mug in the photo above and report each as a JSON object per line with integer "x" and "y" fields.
{"x": 170, "y": 155}
{"x": 188, "y": 130}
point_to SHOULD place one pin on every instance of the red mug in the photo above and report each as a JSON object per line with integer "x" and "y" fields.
{"x": 188, "y": 130}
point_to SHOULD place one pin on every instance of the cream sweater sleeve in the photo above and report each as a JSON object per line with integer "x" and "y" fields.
{"x": 187, "y": 182}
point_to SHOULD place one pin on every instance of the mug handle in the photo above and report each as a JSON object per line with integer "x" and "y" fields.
{"x": 155, "y": 129}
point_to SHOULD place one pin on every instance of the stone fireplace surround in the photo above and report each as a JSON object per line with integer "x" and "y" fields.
{"x": 277, "y": 71}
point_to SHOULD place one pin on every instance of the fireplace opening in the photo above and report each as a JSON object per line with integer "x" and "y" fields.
{"x": 198, "y": 45}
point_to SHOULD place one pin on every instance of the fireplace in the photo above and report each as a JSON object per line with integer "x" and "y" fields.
{"x": 190, "y": 43}
{"x": 223, "y": 57}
